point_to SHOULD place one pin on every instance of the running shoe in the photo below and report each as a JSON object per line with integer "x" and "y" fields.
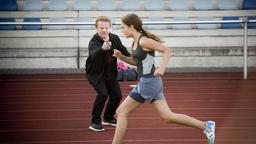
{"x": 96, "y": 127}
{"x": 210, "y": 131}
{"x": 109, "y": 122}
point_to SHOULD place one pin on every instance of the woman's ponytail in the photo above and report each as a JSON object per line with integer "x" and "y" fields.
{"x": 150, "y": 35}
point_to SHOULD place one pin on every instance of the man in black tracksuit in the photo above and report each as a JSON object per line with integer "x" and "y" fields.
{"x": 101, "y": 71}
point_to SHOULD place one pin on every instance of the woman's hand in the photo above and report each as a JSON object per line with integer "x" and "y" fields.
{"x": 159, "y": 72}
{"x": 117, "y": 53}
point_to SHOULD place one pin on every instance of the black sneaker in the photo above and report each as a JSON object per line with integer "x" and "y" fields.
{"x": 109, "y": 122}
{"x": 96, "y": 127}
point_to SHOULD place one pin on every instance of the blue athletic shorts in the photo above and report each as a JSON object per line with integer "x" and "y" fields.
{"x": 148, "y": 89}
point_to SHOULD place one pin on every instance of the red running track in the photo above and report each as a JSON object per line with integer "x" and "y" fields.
{"x": 55, "y": 109}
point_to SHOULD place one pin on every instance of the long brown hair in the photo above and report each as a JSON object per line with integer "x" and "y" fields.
{"x": 133, "y": 19}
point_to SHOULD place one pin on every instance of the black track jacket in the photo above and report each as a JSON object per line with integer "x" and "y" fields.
{"x": 96, "y": 61}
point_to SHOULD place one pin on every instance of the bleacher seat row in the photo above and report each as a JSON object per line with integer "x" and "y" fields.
{"x": 163, "y": 27}
{"x": 59, "y": 5}
{"x": 31, "y": 6}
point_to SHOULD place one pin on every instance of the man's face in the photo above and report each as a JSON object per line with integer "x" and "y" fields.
{"x": 103, "y": 29}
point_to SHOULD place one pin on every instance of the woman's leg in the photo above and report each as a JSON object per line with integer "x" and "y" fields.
{"x": 127, "y": 106}
{"x": 170, "y": 117}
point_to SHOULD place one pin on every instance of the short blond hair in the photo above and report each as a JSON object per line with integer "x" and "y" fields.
{"x": 102, "y": 18}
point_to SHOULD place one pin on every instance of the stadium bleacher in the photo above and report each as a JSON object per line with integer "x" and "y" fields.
{"x": 82, "y": 5}
{"x": 8, "y": 5}
{"x": 203, "y": 5}
{"x": 228, "y": 5}
{"x": 156, "y": 27}
{"x": 251, "y": 25}
{"x": 154, "y": 5}
{"x": 83, "y": 19}
{"x": 7, "y": 27}
{"x": 130, "y": 5}
{"x": 192, "y": 45}
{"x": 108, "y": 5}
{"x": 32, "y": 27}
{"x": 206, "y": 26}
{"x": 57, "y": 27}
{"x": 230, "y": 25}
{"x": 182, "y": 26}
{"x": 179, "y": 5}
{"x": 57, "y": 5}
{"x": 249, "y": 5}
{"x": 33, "y": 5}
{"x": 53, "y": 108}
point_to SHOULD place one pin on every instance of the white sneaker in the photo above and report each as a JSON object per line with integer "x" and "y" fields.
{"x": 96, "y": 127}
{"x": 210, "y": 131}
{"x": 109, "y": 123}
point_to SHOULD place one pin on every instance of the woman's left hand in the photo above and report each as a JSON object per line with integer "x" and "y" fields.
{"x": 159, "y": 72}
{"x": 117, "y": 53}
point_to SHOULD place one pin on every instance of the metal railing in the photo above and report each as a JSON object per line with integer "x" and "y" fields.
{"x": 245, "y": 22}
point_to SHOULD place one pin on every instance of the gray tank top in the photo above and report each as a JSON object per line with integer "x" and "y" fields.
{"x": 145, "y": 60}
